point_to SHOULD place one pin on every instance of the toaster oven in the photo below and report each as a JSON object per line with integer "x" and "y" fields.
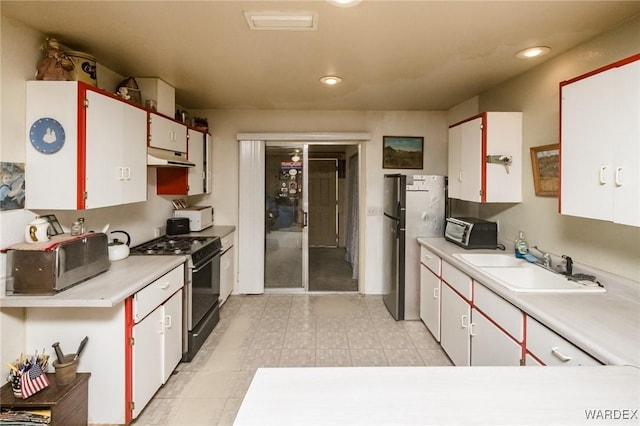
{"x": 58, "y": 267}
{"x": 471, "y": 232}
{"x": 200, "y": 217}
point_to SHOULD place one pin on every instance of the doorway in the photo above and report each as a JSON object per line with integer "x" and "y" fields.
{"x": 307, "y": 207}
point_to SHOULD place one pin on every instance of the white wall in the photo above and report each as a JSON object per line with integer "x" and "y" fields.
{"x": 19, "y": 56}
{"x": 607, "y": 246}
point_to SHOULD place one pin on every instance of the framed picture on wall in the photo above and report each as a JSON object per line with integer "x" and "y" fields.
{"x": 546, "y": 171}
{"x": 402, "y": 152}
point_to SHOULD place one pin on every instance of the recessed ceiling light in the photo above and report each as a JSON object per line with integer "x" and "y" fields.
{"x": 533, "y": 52}
{"x": 296, "y": 21}
{"x": 344, "y": 3}
{"x": 330, "y": 80}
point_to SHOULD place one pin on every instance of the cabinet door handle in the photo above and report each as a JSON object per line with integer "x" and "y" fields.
{"x": 601, "y": 177}
{"x": 164, "y": 286}
{"x": 463, "y": 320}
{"x": 167, "y": 321}
{"x": 618, "y": 172}
{"x": 556, "y": 352}
{"x": 121, "y": 173}
{"x": 435, "y": 293}
{"x": 460, "y": 176}
{"x": 471, "y": 329}
{"x": 426, "y": 256}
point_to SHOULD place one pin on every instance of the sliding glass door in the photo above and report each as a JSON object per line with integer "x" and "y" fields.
{"x": 286, "y": 207}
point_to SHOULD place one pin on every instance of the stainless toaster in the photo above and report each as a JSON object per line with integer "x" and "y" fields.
{"x": 51, "y": 271}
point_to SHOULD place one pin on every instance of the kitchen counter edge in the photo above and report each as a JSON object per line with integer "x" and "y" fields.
{"x": 108, "y": 289}
{"x": 585, "y": 330}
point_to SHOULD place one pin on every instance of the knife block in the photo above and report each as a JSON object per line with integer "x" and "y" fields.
{"x": 66, "y": 371}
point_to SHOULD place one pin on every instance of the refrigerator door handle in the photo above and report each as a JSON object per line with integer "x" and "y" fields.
{"x": 305, "y": 220}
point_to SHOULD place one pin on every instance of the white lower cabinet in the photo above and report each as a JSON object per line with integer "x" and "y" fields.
{"x": 147, "y": 360}
{"x": 552, "y": 349}
{"x": 133, "y": 346}
{"x": 490, "y": 345}
{"x": 172, "y": 324}
{"x": 477, "y": 327}
{"x": 454, "y": 326}
{"x": 157, "y": 350}
{"x": 227, "y": 269}
{"x": 156, "y": 346}
{"x": 430, "y": 300}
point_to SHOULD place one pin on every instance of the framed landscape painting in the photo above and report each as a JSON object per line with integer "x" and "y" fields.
{"x": 402, "y": 152}
{"x": 546, "y": 172}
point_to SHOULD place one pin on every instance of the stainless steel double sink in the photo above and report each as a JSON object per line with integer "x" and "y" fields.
{"x": 522, "y": 276}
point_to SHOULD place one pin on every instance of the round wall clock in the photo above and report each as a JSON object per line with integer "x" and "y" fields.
{"x": 47, "y": 135}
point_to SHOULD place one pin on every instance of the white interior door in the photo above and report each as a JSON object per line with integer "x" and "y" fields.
{"x": 323, "y": 202}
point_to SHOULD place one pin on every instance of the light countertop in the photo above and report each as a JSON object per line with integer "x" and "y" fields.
{"x": 121, "y": 280}
{"x": 441, "y": 395}
{"x": 216, "y": 231}
{"x": 605, "y": 325}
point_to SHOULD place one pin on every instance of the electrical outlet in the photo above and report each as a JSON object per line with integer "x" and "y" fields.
{"x": 498, "y": 226}
{"x": 156, "y": 232}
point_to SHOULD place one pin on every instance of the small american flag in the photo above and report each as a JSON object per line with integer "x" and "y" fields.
{"x": 32, "y": 381}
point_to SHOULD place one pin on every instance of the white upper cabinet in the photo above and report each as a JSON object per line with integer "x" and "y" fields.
{"x": 85, "y": 148}
{"x": 485, "y": 158}
{"x": 165, "y": 133}
{"x": 197, "y": 155}
{"x": 600, "y": 144}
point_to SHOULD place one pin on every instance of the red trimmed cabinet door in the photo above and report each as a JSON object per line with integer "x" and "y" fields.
{"x": 599, "y": 150}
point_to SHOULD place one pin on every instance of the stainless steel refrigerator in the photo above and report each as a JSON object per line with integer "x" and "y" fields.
{"x": 414, "y": 206}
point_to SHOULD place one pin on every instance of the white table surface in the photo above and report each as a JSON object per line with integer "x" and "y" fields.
{"x": 440, "y": 396}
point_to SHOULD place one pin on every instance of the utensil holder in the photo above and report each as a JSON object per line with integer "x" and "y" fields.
{"x": 66, "y": 371}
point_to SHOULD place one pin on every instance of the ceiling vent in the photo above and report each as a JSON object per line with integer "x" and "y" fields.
{"x": 283, "y": 21}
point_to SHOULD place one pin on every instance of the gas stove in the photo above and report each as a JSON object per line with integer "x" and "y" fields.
{"x": 198, "y": 248}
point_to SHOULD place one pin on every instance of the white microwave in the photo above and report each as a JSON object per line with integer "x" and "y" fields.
{"x": 200, "y": 217}
{"x": 471, "y": 232}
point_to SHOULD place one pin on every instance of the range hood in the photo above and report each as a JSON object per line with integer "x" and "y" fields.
{"x": 157, "y": 157}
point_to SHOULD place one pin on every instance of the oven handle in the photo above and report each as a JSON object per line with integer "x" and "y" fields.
{"x": 206, "y": 262}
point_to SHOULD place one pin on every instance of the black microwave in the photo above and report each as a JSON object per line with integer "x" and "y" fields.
{"x": 471, "y": 232}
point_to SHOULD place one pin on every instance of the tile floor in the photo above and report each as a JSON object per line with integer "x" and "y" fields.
{"x": 285, "y": 331}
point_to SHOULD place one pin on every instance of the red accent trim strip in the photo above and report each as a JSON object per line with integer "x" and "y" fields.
{"x": 488, "y": 317}
{"x": 483, "y": 160}
{"x": 535, "y": 357}
{"x": 128, "y": 359}
{"x": 82, "y": 146}
{"x": 616, "y": 64}
{"x": 468, "y": 119}
{"x": 458, "y": 293}
{"x": 560, "y": 151}
{"x": 524, "y": 338}
{"x": 149, "y": 128}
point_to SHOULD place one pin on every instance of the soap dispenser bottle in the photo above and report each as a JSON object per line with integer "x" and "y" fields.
{"x": 521, "y": 245}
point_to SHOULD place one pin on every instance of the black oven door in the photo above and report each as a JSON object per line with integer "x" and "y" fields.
{"x": 205, "y": 289}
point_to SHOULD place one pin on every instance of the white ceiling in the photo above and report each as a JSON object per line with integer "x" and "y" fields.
{"x": 392, "y": 55}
